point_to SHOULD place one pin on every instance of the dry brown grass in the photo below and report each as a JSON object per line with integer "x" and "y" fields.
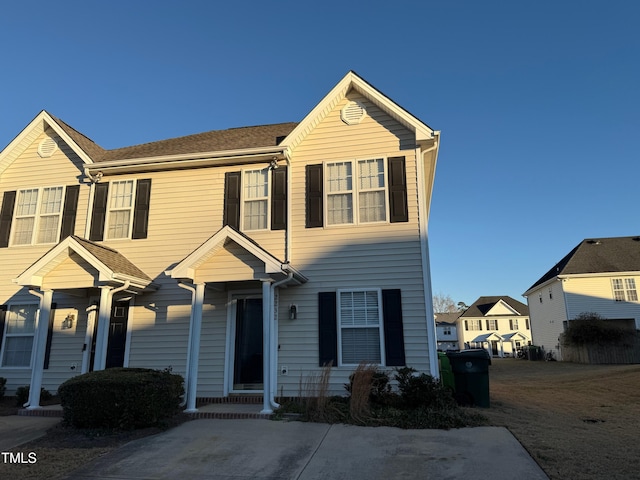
{"x": 361, "y": 381}
{"x": 314, "y": 393}
{"x": 577, "y": 421}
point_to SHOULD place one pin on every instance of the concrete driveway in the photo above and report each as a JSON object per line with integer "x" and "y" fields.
{"x": 259, "y": 449}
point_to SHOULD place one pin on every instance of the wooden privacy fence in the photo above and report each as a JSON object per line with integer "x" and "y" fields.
{"x": 596, "y": 353}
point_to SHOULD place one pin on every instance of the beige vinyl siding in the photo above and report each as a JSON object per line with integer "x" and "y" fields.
{"x": 380, "y": 255}
{"x": 547, "y": 317}
{"x": 73, "y": 272}
{"x": 230, "y": 263}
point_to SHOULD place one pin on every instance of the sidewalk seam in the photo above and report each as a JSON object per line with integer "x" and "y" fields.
{"x": 313, "y": 454}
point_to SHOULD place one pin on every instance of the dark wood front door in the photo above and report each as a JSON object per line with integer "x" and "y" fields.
{"x": 248, "y": 374}
{"x": 117, "y": 334}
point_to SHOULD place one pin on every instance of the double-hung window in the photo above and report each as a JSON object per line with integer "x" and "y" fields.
{"x": 38, "y": 213}
{"x": 473, "y": 325}
{"x": 255, "y": 205}
{"x": 360, "y": 333}
{"x": 492, "y": 324}
{"x": 356, "y": 192}
{"x": 624, "y": 289}
{"x": 120, "y": 213}
{"x": 18, "y": 336}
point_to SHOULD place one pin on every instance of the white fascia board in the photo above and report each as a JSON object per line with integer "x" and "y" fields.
{"x": 542, "y": 285}
{"x": 602, "y": 274}
{"x": 189, "y": 160}
{"x": 74, "y": 146}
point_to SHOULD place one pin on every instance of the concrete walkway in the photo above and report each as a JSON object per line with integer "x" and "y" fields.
{"x": 259, "y": 449}
{"x": 16, "y": 430}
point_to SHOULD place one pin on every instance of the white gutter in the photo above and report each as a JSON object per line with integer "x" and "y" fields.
{"x": 193, "y": 349}
{"x": 188, "y": 160}
{"x": 423, "y": 216}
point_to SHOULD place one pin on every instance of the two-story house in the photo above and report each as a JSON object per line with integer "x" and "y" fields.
{"x": 243, "y": 259}
{"x": 447, "y": 330}
{"x": 499, "y": 324}
{"x": 600, "y": 275}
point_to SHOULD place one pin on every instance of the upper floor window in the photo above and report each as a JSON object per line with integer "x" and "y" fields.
{"x": 513, "y": 324}
{"x": 624, "y": 289}
{"x": 353, "y": 192}
{"x": 359, "y": 199}
{"x": 492, "y": 324}
{"x": 255, "y": 205}
{"x": 446, "y": 330}
{"x": 120, "y": 209}
{"x": 19, "y": 331}
{"x": 472, "y": 325}
{"x": 38, "y": 214}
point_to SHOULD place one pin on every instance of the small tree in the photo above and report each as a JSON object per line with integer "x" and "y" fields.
{"x": 443, "y": 304}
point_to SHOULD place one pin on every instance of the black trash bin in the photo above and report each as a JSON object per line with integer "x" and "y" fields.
{"x": 471, "y": 373}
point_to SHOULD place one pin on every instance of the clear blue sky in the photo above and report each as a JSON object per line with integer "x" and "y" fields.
{"x": 538, "y": 102}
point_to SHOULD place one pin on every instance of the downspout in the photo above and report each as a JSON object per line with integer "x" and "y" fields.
{"x": 287, "y": 230}
{"x": 189, "y": 340}
{"x": 94, "y": 179}
{"x": 426, "y": 265}
{"x": 274, "y": 341}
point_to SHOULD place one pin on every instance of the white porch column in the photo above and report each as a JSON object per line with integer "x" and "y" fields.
{"x": 88, "y": 338}
{"x": 102, "y": 332}
{"x": 266, "y": 345}
{"x": 39, "y": 346}
{"x": 193, "y": 358}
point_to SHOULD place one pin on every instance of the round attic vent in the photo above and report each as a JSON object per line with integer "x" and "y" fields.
{"x": 352, "y": 113}
{"x": 47, "y": 147}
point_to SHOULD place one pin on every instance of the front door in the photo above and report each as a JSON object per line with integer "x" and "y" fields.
{"x": 117, "y": 334}
{"x": 247, "y": 371}
{"x": 494, "y": 347}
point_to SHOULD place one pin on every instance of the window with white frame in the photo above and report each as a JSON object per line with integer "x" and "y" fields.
{"x": 514, "y": 324}
{"x": 120, "y": 213}
{"x": 38, "y": 214}
{"x": 446, "y": 330}
{"x": 255, "y": 205}
{"x": 360, "y": 322}
{"x": 492, "y": 324}
{"x": 624, "y": 289}
{"x": 473, "y": 325}
{"x": 356, "y": 192}
{"x": 18, "y": 336}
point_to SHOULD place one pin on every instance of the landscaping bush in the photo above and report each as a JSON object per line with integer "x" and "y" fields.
{"x": 3, "y": 387}
{"x": 22, "y": 395}
{"x": 123, "y": 398}
{"x": 591, "y": 328}
{"x": 422, "y": 391}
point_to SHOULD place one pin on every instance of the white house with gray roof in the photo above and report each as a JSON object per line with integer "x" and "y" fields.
{"x": 599, "y": 275}
{"x": 244, "y": 259}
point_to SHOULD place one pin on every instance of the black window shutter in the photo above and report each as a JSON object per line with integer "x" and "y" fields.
{"x": 99, "y": 211}
{"x": 466, "y": 325}
{"x": 47, "y": 351}
{"x": 69, "y": 212}
{"x": 232, "y": 185}
{"x": 3, "y": 314}
{"x": 314, "y": 187}
{"x": 6, "y": 216}
{"x": 510, "y": 324}
{"x": 141, "y": 209}
{"x": 328, "y": 328}
{"x": 279, "y": 198}
{"x": 488, "y": 324}
{"x": 397, "y": 190}
{"x": 393, "y": 330}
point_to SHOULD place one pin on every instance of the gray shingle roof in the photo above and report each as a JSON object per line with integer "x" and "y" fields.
{"x": 598, "y": 255}
{"x": 212, "y": 141}
{"x": 483, "y": 304}
{"x": 112, "y": 259}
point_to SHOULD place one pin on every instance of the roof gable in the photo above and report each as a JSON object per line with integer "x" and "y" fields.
{"x": 496, "y": 305}
{"x": 109, "y": 264}
{"x": 597, "y": 256}
{"x": 81, "y": 145}
{"x": 351, "y": 81}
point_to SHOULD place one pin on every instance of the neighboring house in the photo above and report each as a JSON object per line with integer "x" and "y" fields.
{"x": 243, "y": 259}
{"x": 447, "y": 331}
{"x": 598, "y": 275}
{"x": 498, "y": 324}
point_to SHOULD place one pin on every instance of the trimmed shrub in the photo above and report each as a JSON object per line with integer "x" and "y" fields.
{"x": 22, "y": 395}
{"x": 422, "y": 391}
{"x": 122, "y": 398}
{"x": 591, "y": 328}
{"x": 3, "y": 387}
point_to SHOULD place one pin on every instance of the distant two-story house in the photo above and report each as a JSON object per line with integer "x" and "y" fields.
{"x": 447, "y": 331}
{"x": 499, "y": 324}
{"x": 598, "y": 275}
{"x": 243, "y": 259}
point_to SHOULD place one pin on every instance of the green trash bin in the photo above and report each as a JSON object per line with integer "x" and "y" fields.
{"x": 471, "y": 372}
{"x": 446, "y": 374}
